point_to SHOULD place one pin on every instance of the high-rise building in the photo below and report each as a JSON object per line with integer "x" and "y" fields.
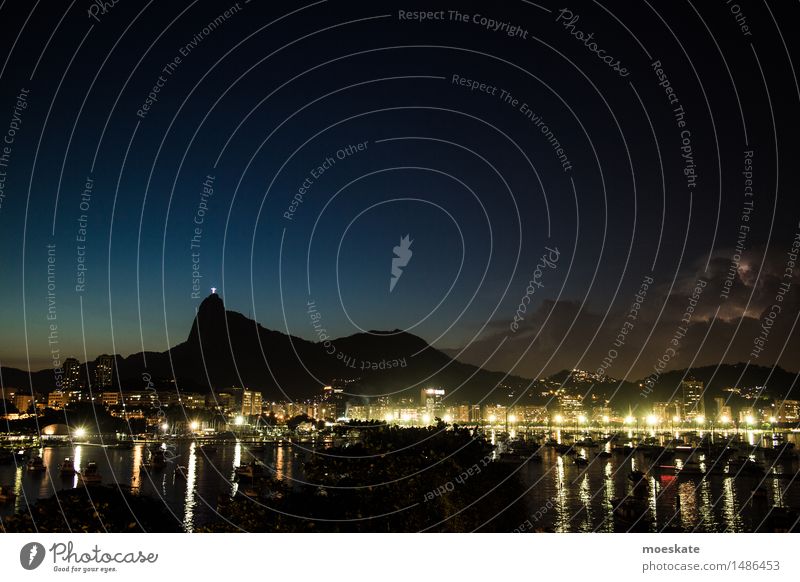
{"x": 103, "y": 371}
{"x": 251, "y": 403}
{"x": 431, "y": 401}
{"x": 72, "y": 374}
{"x": 693, "y": 401}
{"x": 789, "y": 411}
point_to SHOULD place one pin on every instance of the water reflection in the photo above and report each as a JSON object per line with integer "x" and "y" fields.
{"x": 191, "y": 475}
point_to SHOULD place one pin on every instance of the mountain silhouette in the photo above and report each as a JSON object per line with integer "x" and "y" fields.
{"x": 226, "y": 349}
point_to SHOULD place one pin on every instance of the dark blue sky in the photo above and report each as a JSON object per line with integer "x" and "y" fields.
{"x": 475, "y": 183}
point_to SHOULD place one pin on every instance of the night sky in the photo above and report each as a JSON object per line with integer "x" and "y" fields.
{"x": 442, "y": 130}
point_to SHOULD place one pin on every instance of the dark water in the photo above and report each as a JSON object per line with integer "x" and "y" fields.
{"x": 562, "y": 496}
{"x": 565, "y": 497}
{"x": 191, "y": 500}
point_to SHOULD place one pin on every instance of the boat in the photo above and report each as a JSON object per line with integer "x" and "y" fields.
{"x": 36, "y": 465}
{"x": 90, "y": 475}
{"x": 587, "y": 442}
{"x": 250, "y": 470}
{"x": 581, "y": 461}
{"x": 208, "y": 449}
{"x": 7, "y": 495}
{"x": 67, "y": 467}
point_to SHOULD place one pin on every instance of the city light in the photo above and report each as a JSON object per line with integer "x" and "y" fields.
{"x": 676, "y": 418}
{"x": 80, "y": 432}
{"x": 406, "y": 417}
{"x": 749, "y": 419}
{"x": 700, "y": 419}
{"x": 512, "y": 418}
{"x": 581, "y": 419}
{"x": 629, "y": 419}
{"x": 724, "y": 419}
{"x": 773, "y": 420}
{"x": 165, "y": 427}
{"x": 492, "y": 418}
{"x": 606, "y": 419}
{"x": 194, "y": 425}
{"x": 652, "y": 419}
{"x": 426, "y": 419}
{"x": 447, "y": 418}
{"x": 389, "y": 417}
{"x": 558, "y": 419}
{"x": 239, "y": 420}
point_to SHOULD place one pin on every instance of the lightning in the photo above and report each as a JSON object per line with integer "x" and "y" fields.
{"x": 34, "y": 551}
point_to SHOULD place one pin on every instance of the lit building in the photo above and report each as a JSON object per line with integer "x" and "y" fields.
{"x": 571, "y": 406}
{"x": 251, "y": 403}
{"x": 335, "y": 402}
{"x": 693, "y": 401}
{"x": 57, "y": 400}
{"x": 788, "y": 411}
{"x": 110, "y": 398}
{"x": 23, "y": 402}
{"x": 661, "y": 411}
{"x": 103, "y": 371}
{"x": 72, "y": 374}
{"x": 431, "y": 401}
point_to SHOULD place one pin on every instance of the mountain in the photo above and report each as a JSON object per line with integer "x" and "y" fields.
{"x": 225, "y": 348}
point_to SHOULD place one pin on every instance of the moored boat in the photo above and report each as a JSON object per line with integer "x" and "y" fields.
{"x": 67, "y": 467}
{"x": 36, "y": 465}
{"x": 90, "y": 474}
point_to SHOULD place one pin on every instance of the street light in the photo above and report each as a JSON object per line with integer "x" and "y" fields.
{"x": 194, "y": 425}
{"x": 558, "y": 419}
{"x": 749, "y": 419}
{"x": 165, "y": 427}
{"x": 512, "y": 418}
{"x": 80, "y": 432}
{"x": 492, "y": 418}
{"x": 700, "y": 419}
{"x": 426, "y": 419}
{"x": 651, "y": 419}
{"x": 629, "y": 419}
{"x": 239, "y": 420}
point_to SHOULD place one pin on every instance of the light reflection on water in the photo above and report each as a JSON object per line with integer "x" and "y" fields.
{"x": 576, "y": 498}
